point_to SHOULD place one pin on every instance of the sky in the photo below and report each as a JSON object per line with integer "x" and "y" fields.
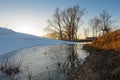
{"x": 30, "y": 16}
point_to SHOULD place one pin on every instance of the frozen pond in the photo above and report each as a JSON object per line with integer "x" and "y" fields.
{"x": 44, "y": 62}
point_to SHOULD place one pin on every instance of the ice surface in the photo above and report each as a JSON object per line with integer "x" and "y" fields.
{"x": 43, "y": 59}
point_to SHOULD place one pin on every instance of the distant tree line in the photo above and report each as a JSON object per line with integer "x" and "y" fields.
{"x": 65, "y": 24}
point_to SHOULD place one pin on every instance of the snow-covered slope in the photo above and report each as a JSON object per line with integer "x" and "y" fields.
{"x": 11, "y": 40}
{"x": 42, "y": 61}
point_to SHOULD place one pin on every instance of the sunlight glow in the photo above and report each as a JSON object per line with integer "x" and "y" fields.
{"x": 25, "y": 29}
{"x": 27, "y": 23}
{"x": 29, "y": 29}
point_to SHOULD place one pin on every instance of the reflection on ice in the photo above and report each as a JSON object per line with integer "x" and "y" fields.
{"x": 52, "y": 62}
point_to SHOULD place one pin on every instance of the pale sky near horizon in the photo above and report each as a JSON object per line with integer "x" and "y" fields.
{"x": 30, "y": 16}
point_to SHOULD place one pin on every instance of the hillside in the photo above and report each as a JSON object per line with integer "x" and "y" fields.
{"x": 11, "y": 40}
{"x": 109, "y": 41}
{"x": 103, "y": 63}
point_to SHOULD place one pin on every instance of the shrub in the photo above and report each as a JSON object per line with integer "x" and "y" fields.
{"x": 9, "y": 67}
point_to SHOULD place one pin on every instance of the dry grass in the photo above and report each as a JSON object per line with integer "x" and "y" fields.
{"x": 8, "y": 67}
{"x": 110, "y": 41}
{"x": 104, "y": 59}
{"x": 115, "y": 74}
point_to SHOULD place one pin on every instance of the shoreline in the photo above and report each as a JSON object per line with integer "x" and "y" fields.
{"x": 99, "y": 65}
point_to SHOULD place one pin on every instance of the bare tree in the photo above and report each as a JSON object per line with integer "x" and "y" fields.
{"x": 58, "y": 22}
{"x": 102, "y": 24}
{"x": 95, "y": 24}
{"x": 71, "y": 18}
{"x": 55, "y": 24}
{"x": 66, "y": 23}
{"x": 86, "y": 32}
{"x": 106, "y": 23}
{"x": 91, "y": 23}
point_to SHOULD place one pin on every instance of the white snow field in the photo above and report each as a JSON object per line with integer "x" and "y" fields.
{"x": 10, "y": 40}
{"x": 41, "y": 58}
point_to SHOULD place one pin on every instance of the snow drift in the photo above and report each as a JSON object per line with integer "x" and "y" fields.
{"x": 11, "y": 40}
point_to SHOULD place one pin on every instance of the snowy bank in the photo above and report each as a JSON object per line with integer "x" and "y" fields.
{"x": 11, "y": 40}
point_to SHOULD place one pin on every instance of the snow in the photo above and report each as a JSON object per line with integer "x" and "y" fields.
{"x": 11, "y": 40}
{"x": 40, "y": 55}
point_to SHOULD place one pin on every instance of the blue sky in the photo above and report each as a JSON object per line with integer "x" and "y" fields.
{"x": 30, "y": 16}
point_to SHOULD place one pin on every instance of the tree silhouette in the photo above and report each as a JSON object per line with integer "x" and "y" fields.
{"x": 65, "y": 23}
{"x": 105, "y": 22}
{"x": 71, "y": 18}
{"x": 95, "y": 24}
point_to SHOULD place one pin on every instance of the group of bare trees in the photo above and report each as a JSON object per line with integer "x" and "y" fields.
{"x": 102, "y": 24}
{"x": 65, "y": 24}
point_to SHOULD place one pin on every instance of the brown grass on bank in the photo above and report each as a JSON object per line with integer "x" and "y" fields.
{"x": 110, "y": 41}
{"x": 104, "y": 60}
